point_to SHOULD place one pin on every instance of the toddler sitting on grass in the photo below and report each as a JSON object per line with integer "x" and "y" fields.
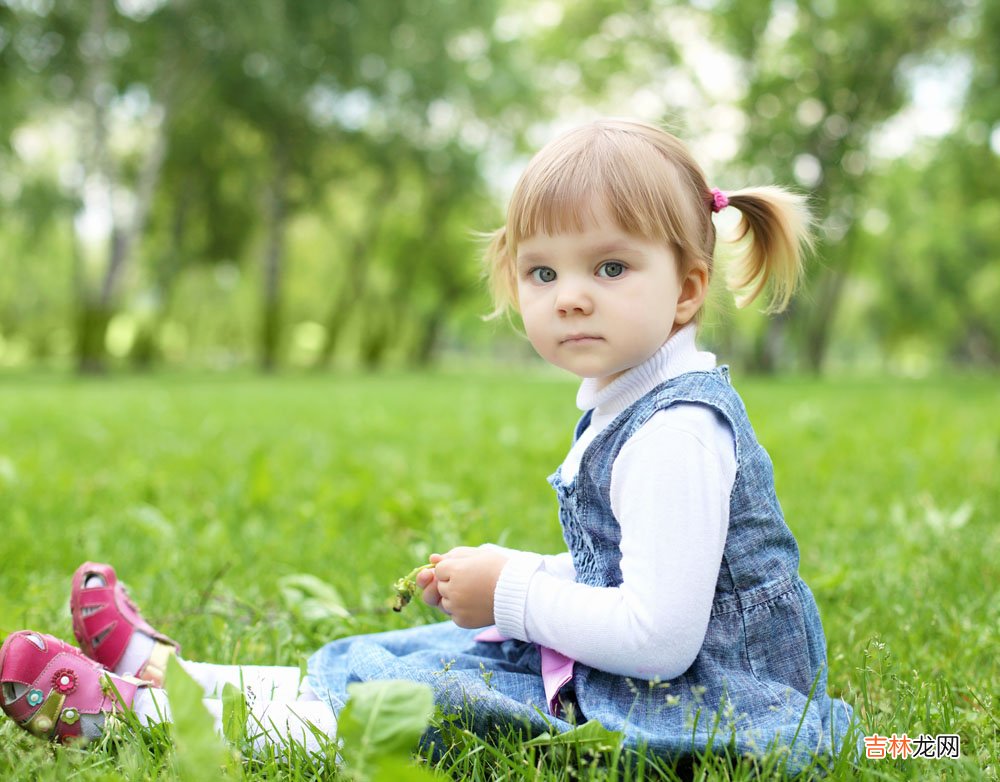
{"x": 676, "y": 616}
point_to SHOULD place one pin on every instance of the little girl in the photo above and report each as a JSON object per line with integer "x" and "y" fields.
{"x": 676, "y": 615}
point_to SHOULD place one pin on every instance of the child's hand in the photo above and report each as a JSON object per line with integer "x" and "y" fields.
{"x": 427, "y": 583}
{"x": 462, "y": 584}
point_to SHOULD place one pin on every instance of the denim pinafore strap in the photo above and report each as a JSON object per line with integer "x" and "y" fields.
{"x": 759, "y": 680}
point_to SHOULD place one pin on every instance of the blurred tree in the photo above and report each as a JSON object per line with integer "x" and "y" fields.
{"x": 113, "y": 82}
{"x": 822, "y": 75}
{"x": 150, "y": 149}
{"x": 347, "y": 91}
{"x": 938, "y": 251}
{"x": 938, "y": 264}
{"x": 433, "y": 90}
{"x": 31, "y": 201}
{"x": 436, "y": 257}
{"x": 246, "y": 112}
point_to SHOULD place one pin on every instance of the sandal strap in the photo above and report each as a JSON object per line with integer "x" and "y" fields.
{"x": 44, "y": 721}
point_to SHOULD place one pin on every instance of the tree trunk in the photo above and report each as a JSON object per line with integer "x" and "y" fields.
{"x": 820, "y": 317}
{"x": 146, "y": 351}
{"x": 424, "y": 348}
{"x": 91, "y": 329}
{"x": 124, "y": 238}
{"x": 274, "y": 258}
{"x": 92, "y": 317}
{"x": 765, "y": 356}
{"x": 375, "y": 337}
{"x": 95, "y": 310}
{"x": 353, "y": 289}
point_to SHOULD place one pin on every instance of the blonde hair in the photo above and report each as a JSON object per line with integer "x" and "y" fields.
{"x": 653, "y": 188}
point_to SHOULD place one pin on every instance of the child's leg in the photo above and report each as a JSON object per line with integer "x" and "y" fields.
{"x": 54, "y": 691}
{"x": 275, "y": 683}
{"x": 110, "y": 629}
{"x": 269, "y": 723}
{"x": 260, "y": 682}
{"x": 279, "y": 723}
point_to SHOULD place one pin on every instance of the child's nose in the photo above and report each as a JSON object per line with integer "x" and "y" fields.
{"x": 573, "y": 297}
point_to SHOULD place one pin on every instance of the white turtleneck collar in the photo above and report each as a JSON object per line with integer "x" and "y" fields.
{"x": 678, "y": 355}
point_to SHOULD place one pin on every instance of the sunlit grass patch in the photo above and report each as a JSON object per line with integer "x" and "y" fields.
{"x": 242, "y": 512}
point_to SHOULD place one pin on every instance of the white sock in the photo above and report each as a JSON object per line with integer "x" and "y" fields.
{"x": 259, "y": 682}
{"x": 151, "y": 705}
{"x": 281, "y": 706}
{"x": 140, "y": 647}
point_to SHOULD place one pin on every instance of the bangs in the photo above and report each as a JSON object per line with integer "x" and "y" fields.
{"x": 601, "y": 166}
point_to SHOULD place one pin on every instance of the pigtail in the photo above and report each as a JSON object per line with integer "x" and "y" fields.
{"x": 499, "y": 271}
{"x": 771, "y": 238}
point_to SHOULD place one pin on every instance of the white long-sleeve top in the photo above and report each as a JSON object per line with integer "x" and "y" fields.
{"x": 670, "y": 490}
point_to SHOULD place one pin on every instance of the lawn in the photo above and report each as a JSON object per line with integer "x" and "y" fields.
{"x": 206, "y": 492}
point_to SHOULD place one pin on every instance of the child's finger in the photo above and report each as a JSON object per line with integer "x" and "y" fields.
{"x": 424, "y": 577}
{"x": 431, "y": 595}
{"x": 443, "y": 570}
{"x": 462, "y": 551}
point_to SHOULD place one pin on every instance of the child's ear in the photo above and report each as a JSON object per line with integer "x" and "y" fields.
{"x": 694, "y": 289}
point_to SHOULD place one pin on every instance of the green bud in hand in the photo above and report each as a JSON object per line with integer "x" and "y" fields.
{"x": 406, "y": 587}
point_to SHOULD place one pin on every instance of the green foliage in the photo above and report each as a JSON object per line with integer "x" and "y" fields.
{"x": 380, "y": 727}
{"x": 315, "y": 606}
{"x": 823, "y": 79}
{"x": 405, "y": 587}
{"x": 234, "y": 714}
{"x": 354, "y": 148}
{"x": 310, "y": 599}
{"x": 889, "y": 487}
{"x": 200, "y": 753}
{"x": 590, "y": 736}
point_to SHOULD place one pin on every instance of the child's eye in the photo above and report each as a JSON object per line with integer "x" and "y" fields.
{"x": 611, "y": 269}
{"x": 543, "y": 274}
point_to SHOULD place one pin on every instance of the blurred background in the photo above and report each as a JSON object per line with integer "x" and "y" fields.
{"x": 297, "y": 184}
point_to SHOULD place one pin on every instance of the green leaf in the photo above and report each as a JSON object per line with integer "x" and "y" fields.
{"x": 234, "y": 713}
{"x": 393, "y": 769}
{"x": 311, "y": 599}
{"x": 591, "y": 735}
{"x": 383, "y": 719}
{"x": 199, "y": 751}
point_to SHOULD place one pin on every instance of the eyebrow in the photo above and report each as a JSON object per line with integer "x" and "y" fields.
{"x": 611, "y": 248}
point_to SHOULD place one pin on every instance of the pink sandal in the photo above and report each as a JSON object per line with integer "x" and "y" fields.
{"x": 47, "y": 685}
{"x": 105, "y": 618}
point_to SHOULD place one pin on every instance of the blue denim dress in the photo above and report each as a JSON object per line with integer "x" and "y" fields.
{"x": 757, "y": 685}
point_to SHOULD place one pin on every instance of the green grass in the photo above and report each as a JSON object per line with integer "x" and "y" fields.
{"x": 204, "y": 492}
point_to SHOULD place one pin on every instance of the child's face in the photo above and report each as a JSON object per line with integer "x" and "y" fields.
{"x": 600, "y": 301}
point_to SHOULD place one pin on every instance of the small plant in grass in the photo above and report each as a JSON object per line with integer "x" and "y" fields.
{"x": 380, "y": 727}
{"x": 406, "y": 587}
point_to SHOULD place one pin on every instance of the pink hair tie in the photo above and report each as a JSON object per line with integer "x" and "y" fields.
{"x": 719, "y": 200}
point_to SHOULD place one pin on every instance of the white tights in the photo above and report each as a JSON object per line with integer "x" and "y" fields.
{"x": 281, "y": 707}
